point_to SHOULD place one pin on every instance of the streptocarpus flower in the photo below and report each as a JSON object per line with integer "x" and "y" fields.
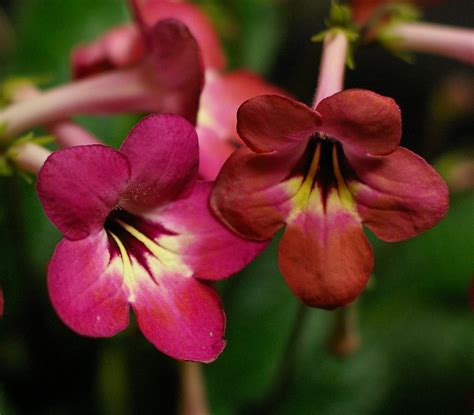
{"x": 322, "y": 174}
{"x": 138, "y": 232}
{"x": 167, "y": 78}
{"x": 221, "y": 97}
{"x": 222, "y": 94}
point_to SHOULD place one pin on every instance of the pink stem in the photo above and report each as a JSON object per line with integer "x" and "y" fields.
{"x": 30, "y": 157}
{"x": 115, "y": 91}
{"x": 193, "y": 394}
{"x": 332, "y": 68}
{"x": 451, "y": 42}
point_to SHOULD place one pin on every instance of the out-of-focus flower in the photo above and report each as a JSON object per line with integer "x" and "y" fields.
{"x": 168, "y": 77}
{"x": 362, "y": 10}
{"x": 394, "y": 24}
{"x": 222, "y": 94}
{"x": 221, "y": 97}
{"x": 323, "y": 173}
{"x": 139, "y": 232}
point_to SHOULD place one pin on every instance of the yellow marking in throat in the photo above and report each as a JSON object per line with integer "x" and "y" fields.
{"x": 345, "y": 194}
{"x": 305, "y": 189}
{"x": 168, "y": 259}
{"x": 127, "y": 265}
{"x": 302, "y": 196}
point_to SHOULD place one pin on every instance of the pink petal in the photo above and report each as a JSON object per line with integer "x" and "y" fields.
{"x": 181, "y": 317}
{"x": 213, "y": 152}
{"x": 253, "y": 191}
{"x": 151, "y": 11}
{"x": 178, "y": 71}
{"x": 120, "y": 47}
{"x": 79, "y": 186}
{"x": 398, "y": 196}
{"x": 324, "y": 256}
{"x": 362, "y": 120}
{"x": 272, "y": 122}
{"x": 223, "y": 94}
{"x": 163, "y": 155}
{"x": 204, "y": 244}
{"x": 85, "y": 284}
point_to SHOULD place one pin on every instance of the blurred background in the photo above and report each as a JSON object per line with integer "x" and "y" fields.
{"x": 414, "y": 322}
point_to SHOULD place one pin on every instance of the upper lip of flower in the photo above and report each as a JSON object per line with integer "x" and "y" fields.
{"x": 364, "y": 178}
{"x": 139, "y": 233}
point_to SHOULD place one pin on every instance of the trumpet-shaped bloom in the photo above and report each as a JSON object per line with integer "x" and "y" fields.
{"x": 167, "y": 78}
{"x": 139, "y": 232}
{"x": 322, "y": 174}
{"x": 222, "y": 93}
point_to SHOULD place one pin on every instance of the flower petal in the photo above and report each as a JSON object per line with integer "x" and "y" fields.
{"x": 223, "y": 94}
{"x": 178, "y": 69}
{"x": 79, "y": 186}
{"x": 398, "y": 196}
{"x": 272, "y": 122}
{"x": 164, "y": 156}
{"x": 181, "y": 317}
{"x": 120, "y": 47}
{"x": 85, "y": 283}
{"x": 213, "y": 152}
{"x": 252, "y": 192}
{"x": 204, "y": 244}
{"x": 151, "y": 11}
{"x": 362, "y": 120}
{"x": 324, "y": 256}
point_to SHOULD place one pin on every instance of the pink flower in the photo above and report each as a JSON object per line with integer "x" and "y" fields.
{"x": 167, "y": 78}
{"x": 138, "y": 232}
{"x": 322, "y": 174}
{"x": 222, "y": 94}
{"x": 217, "y": 117}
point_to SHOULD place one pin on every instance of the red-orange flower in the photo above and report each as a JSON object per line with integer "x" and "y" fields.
{"x": 322, "y": 173}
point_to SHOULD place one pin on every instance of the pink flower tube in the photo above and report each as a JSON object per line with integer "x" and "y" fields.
{"x": 222, "y": 93}
{"x": 167, "y": 78}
